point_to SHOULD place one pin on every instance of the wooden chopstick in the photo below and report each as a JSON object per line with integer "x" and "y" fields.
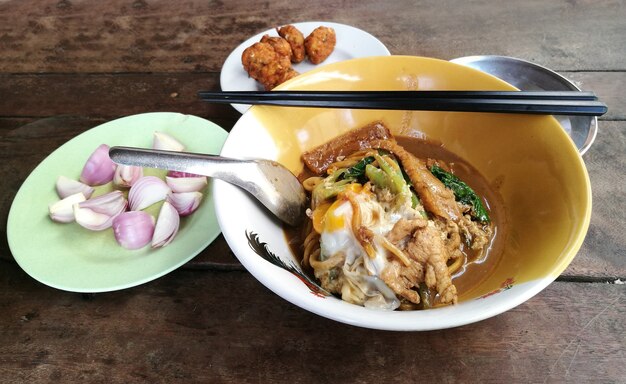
{"x": 530, "y": 102}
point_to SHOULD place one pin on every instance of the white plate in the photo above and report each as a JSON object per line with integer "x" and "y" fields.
{"x": 351, "y": 43}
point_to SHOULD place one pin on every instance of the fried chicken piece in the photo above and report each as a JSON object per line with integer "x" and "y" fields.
{"x": 295, "y": 39}
{"x": 320, "y": 44}
{"x": 266, "y": 66}
{"x": 280, "y": 45}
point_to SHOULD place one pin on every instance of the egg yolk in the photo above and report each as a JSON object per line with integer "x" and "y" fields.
{"x": 325, "y": 217}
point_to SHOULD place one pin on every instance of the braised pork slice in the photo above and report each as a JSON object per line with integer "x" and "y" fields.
{"x": 319, "y": 158}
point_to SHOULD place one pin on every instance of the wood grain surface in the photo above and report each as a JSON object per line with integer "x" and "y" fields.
{"x": 238, "y": 331}
{"x": 69, "y": 65}
{"x": 63, "y": 36}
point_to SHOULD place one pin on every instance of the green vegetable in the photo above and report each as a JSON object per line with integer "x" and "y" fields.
{"x": 388, "y": 175}
{"x": 398, "y": 185}
{"x": 330, "y": 187}
{"x": 462, "y": 193}
{"x": 357, "y": 171}
{"x": 415, "y": 201}
{"x": 378, "y": 177}
{"x": 324, "y": 192}
{"x": 424, "y": 295}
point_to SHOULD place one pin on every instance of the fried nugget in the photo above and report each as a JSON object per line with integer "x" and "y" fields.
{"x": 320, "y": 44}
{"x": 295, "y": 39}
{"x": 265, "y": 65}
{"x": 280, "y": 45}
{"x": 290, "y": 74}
{"x": 280, "y": 78}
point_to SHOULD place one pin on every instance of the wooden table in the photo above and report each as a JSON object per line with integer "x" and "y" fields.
{"x": 68, "y": 65}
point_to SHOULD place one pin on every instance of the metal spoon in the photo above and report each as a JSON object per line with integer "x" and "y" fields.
{"x": 268, "y": 181}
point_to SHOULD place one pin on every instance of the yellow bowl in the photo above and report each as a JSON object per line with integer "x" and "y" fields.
{"x": 530, "y": 160}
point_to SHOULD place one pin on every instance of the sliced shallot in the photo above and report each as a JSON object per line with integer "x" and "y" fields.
{"x": 133, "y": 229}
{"x": 186, "y": 184}
{"x": 147, "y": 191}
{"x": 181, "y": 174}
{"x": 99, "y": 168}
{"x": 166, "y": 142}
{"x": 62, "y": 211}
{"x": 166, "y": 226}
{"x": 66, "y": 187}
{"x": 185, "y": 203}
{"x": 97, "y": 214}
{"x": 126, "y": 175}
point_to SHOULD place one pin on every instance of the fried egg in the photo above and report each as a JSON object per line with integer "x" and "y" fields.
{"x": 334, "y": 222}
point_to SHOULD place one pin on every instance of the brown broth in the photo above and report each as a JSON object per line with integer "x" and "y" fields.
{"x": 477, "y": 268}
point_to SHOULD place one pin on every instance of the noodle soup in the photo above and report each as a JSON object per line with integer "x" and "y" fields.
{"x": 396, "y": 223}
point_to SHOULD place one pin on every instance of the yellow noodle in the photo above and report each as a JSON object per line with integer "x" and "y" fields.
{"x": 312, "y": 247}
{"x": 311, "y": 243}
{"x": 456, "y": 265}
{"x": 350, "y": 160}
{"x": 369, "y": 249}
{"x": 310, "y": 183}
{"x": 394, "y": 250}
{"x": 311, "y": 237}
{"x": 315, "y": 255}
{"x": 322, "y": 267}
{"x": 356, "y": 225}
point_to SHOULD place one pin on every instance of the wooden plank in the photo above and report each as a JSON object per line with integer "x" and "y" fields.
{"x": 7, "y": 124}
{"x": 107, "y": 95}
{"x": 609, "y": 88}
{"x": 196, "y": 35}
{"x": 225, "y": 327}
{"x": 603, "y": 254}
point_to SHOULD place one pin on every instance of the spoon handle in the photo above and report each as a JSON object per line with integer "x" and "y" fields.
{"x": 196, "y": 163}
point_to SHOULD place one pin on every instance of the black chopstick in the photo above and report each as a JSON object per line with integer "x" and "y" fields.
{"x": 530, "y": 102}
{"x": 358, "y": 95}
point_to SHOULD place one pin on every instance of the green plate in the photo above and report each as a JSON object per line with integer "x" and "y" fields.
{"x": 71, "y": 258}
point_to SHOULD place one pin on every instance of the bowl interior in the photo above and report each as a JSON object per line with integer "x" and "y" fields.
{"x": 528, "y": 76}
{"x": 529, "y": 160}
